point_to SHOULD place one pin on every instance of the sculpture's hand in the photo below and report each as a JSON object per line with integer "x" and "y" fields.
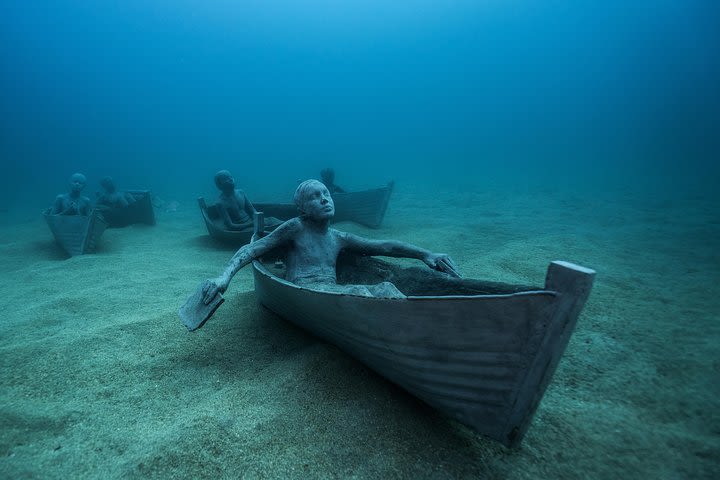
{"x": 212, "y": 287}
{"x": 70, "y": 209}
{"x": 443, "y": 263}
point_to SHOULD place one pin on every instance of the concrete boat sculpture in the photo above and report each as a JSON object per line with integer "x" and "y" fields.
{"x": 481, "y": 352}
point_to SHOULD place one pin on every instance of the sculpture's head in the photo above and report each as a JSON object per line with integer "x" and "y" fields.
{"x": 328, "y": 176}
{"x": 77, "y": 182}
{"x": 313, "y": 200}
{"x": 108, "y": 184}
{"x": 224, "y": 181}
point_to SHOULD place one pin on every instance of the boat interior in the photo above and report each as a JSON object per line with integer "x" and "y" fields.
{"x": 411, "y": 281}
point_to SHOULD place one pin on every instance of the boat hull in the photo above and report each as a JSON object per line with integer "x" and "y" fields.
{"x": 484, "y": 360}
{"x": 76, "y": 234}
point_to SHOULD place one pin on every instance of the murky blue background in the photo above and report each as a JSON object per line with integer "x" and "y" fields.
{"x": 486, "y": 94}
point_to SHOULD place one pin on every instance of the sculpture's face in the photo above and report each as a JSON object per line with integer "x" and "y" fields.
{"x": 317, "y": 202}
{"x": 225, "y": 181}
{"x": 77, "y": 182}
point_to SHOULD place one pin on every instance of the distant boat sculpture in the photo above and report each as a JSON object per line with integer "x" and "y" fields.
{"x": 140, "y": 211}
{"x": 76, "y": 234}
{"x": 481, "y": 352}
{"x": 366, "y": 207}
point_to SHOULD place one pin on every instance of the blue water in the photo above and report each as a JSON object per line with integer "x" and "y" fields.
{"x": 517, "y": 131}
{"x": 162, "y": 94}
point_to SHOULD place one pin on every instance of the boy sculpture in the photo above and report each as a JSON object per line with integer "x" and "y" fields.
{"x": 111, "y": 197}
{"x": 73, "y": 203}
{"x": 235, "y": 208}
{"x": 313, "y": 248}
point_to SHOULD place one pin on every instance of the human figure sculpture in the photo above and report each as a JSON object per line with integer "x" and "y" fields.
{"x": 328, "y": 178}
{"x": 313, "y": 248}
{"x": 236, "y": 210}
{"x": 73, "y": 203}
{"x": 111, "y": 197}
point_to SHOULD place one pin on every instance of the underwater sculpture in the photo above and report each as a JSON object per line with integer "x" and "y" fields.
{"x": 73, "y": 202}
{"x": 233, "y": 207}
{"x": 121, "y": 209}
{"x": 314, "y": 248}
{"x": 482, "y": 353}
{"x": 75, "y": 226}
{"x": 313, "y": 251}
{"x": 111, "y": 197}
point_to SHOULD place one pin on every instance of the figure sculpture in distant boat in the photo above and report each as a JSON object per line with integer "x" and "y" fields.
{"x": 111, "y": 197}
{"x": 234, "y": 207}
{"x": 313, "y": 248}
{"x": 73, "y": 203}
{"x": 328, "y": 178}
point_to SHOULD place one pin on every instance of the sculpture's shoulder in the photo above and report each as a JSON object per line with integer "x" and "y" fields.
{"x": 343, "y": 239}
{"x": 292, "y": 225}
{"x": 342, "y": 234}
{"x": 288, "y": 231}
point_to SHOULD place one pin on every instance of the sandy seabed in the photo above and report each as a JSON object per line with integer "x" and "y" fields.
{"x": 99, "y": 379}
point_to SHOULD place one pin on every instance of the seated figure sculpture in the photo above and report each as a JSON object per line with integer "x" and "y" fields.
{"x": 73, "y": 203}
{"x": 111, "y": 197}
{"x": 328, "y": 178}
{"x": 313, "y": 248}
{"x": 236, "y": 210}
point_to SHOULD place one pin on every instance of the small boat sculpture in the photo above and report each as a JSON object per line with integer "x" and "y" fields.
{"x": 481, "y": 352}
